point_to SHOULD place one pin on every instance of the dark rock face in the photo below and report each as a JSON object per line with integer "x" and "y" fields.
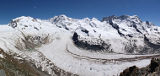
{"x": 154, "y": 46}
{"x": 13, "y": 24}
{"x": 147, "y": 22}
{"x": 75, "y": 37}
{"x": 135, "y": 26}
{"x": 109, "y": 18}
{"x": 87, "y": 46}
{"x": 153, "y": 65}
{"x": 115, "y": 26}
{"x": 122, "y": 17}
{"x": 131, "y": 71}
{"x": 150, "y": 47}
{"x": 153, "y": 69}
{"x": 84, "y": 30}
{"x": 131, "y": 47}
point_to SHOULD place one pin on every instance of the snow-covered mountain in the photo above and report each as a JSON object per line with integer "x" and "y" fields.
{"x": 120, "y": 34}
{"x": 86, "y": 47}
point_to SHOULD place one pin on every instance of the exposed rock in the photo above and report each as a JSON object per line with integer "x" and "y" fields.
{"x": 153, "y": 69}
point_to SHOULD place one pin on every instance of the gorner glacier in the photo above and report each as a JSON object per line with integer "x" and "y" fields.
{"x": 63, "y": 46}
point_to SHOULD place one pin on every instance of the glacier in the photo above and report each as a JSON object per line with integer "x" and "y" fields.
{"x": 63, "y": 46}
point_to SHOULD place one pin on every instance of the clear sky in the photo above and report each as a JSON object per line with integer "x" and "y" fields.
{"x": 44, "y": 9}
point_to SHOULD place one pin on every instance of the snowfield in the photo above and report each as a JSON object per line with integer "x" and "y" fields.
{"x": 56, "y": 52}
{"x": 49, "y": 44}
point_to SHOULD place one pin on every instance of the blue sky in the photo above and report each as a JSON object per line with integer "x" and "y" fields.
{"x": 44, "y": 9}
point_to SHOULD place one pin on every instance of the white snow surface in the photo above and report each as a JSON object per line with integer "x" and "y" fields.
{"x": 56, "y": 52}
{"x": 61, "y": 29}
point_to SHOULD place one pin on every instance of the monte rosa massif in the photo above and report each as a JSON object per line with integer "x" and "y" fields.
{"x": 63, "y": 46}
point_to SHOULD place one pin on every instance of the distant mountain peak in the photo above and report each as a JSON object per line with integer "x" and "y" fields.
{"x": 62, "y": 16}
{"x": 133, "y": 18}
{"x": 59, "y": 18}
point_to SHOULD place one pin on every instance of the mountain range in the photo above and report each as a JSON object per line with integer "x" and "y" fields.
{"x": 64, "y": 46}
{"x": 119, "y": 34}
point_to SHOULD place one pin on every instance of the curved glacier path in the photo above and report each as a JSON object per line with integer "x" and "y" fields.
{"x": 70, "y": 58}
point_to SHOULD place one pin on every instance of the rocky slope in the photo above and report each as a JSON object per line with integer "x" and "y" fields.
{"x": 153, "y": 69}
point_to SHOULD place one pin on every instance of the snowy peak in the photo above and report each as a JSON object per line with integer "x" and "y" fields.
{"x": 129, "y": 25}
{"x": 22, "y": 21}
{"x": 128, "y": 17}
{"x": 133, "y": 18}
{"x": 109, "y": 18}
{"x": 28, "y": 23}
{"x": 125, "y": 24}
{"x": 59, "y": 18}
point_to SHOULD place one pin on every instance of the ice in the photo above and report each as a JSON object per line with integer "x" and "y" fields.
{"x": 64, "y": 54}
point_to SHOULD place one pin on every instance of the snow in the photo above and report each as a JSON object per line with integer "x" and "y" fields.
{"x": 63, "y": 53}
{"x": 1, "y": 56}
{"x": 56, "y": 51}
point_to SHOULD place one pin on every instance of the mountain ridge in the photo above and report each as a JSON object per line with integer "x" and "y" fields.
{"x": 95, "y": 47}
{"x": 128, "y": 31}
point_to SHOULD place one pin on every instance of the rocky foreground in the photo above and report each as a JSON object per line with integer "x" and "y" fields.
{"x": 153, "y": 69}
{"x": 21, "y": 67}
